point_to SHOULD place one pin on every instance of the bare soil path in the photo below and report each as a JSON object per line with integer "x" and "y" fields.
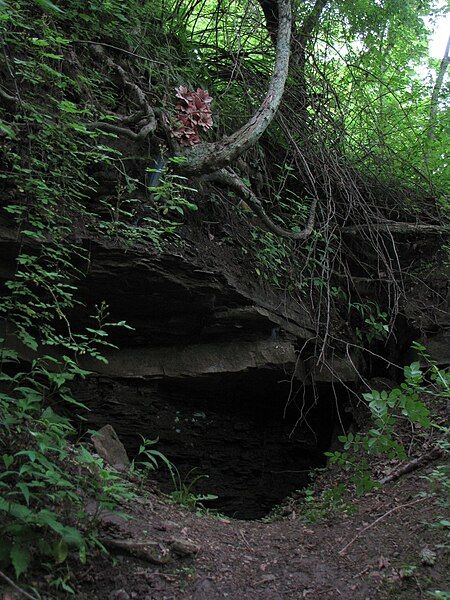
{"x": 397, "y": 556}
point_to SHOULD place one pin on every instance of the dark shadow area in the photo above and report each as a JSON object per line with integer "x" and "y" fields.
{"x": 254, "y": 440}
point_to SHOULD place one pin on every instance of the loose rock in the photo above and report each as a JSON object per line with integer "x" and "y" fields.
{"x": 110, "y": 448}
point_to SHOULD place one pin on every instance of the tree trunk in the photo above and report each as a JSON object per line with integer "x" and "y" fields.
{"x": 209, "y": 157}
{"x": 270, "y": 10}
{"x": 434, "y": 104}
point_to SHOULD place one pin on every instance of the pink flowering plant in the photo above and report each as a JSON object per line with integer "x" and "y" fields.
{"x": 193, "y": 115}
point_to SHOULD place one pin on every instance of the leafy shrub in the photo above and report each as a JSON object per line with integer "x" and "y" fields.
{"x": 387, "y": 408}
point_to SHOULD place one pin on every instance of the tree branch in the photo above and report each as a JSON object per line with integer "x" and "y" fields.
{"x": 229, "y": 179}
{"x": 209, "y": 157}
{"x": 393, "y": 227}
{"x": 412, "y": 466}
{"x": 136, "y": 137}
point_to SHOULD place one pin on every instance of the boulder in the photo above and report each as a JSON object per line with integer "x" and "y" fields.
{"x": 110, "y": 448}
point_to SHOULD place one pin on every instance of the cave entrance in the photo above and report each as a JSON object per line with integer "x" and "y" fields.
{"x": 244, "y": 432}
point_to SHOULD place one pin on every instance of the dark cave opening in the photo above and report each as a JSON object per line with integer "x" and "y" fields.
{"x": 254, "y": 436}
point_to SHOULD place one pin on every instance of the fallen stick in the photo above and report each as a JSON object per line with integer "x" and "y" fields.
{"x": 16, "y": 587}
{"x": 347, "y": 546}
{"x": 412, "y": 466}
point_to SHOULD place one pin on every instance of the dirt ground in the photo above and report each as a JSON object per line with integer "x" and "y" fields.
{"x": 190, "y": 556}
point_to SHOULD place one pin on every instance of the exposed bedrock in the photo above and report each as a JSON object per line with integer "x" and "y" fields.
{"x": 211, "y": 368}
{"x": 217, "y": 366}
{"x": 192, "y": 315}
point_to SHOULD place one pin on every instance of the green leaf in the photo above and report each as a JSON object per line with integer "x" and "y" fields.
{"x": 25, "y": 491}
{"x": 48, "y": 6}
{"x": 39, "y": 42}
{"x": 7, "y": 130}
{"x": 68, "y": 107}
{"x": 8, "y": 460}
{"x": 72, "y": 537}
{"x": 20, "y": 558}
{"x": 16, "y": 510}
{"x": 60, "y": 551}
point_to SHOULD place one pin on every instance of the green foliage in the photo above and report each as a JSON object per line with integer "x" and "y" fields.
{"x": 330, "y": 502}
{"x": 439, "y": 595}
{"x": 183, "y": 493}
{"x": 170, "y": 193}
{"x": 45, "y": 481}
{"x": 387, "y": 408}
{"x": 439, "y": 480}
{"x": 375, "y": 325}
{"x": 272, "y": 256}
{"x": 148, "y": 458}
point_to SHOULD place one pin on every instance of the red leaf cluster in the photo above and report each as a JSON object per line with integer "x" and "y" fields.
{"x": 194, "y": 114}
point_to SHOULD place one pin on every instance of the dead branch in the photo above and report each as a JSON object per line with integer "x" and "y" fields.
{"x": 393, "y": 227}
{"x": 210, "y": 157}
{"x": 150, "y": 123}
{"x": 412, "y": 465}
{"x": 400, "y": 506}
{"x": 229, "y": 179}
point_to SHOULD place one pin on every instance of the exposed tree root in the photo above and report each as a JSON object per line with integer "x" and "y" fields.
{"x": 148, "y": 124}
{"x": 229, "y": 179}
{"x": 210, "y": 157}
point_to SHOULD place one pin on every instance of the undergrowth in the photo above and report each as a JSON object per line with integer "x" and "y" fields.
{"x": 411, "y": 406}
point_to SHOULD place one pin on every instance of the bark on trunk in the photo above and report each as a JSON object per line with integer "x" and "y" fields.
{"x": 270, "y": 10}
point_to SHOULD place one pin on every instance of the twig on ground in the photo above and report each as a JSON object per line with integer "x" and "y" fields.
{"x": 16, "y": 587}
{"x": 400, "y": 506}
{"x": 241, "y": 533}
{"x": 412, "y": 465}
